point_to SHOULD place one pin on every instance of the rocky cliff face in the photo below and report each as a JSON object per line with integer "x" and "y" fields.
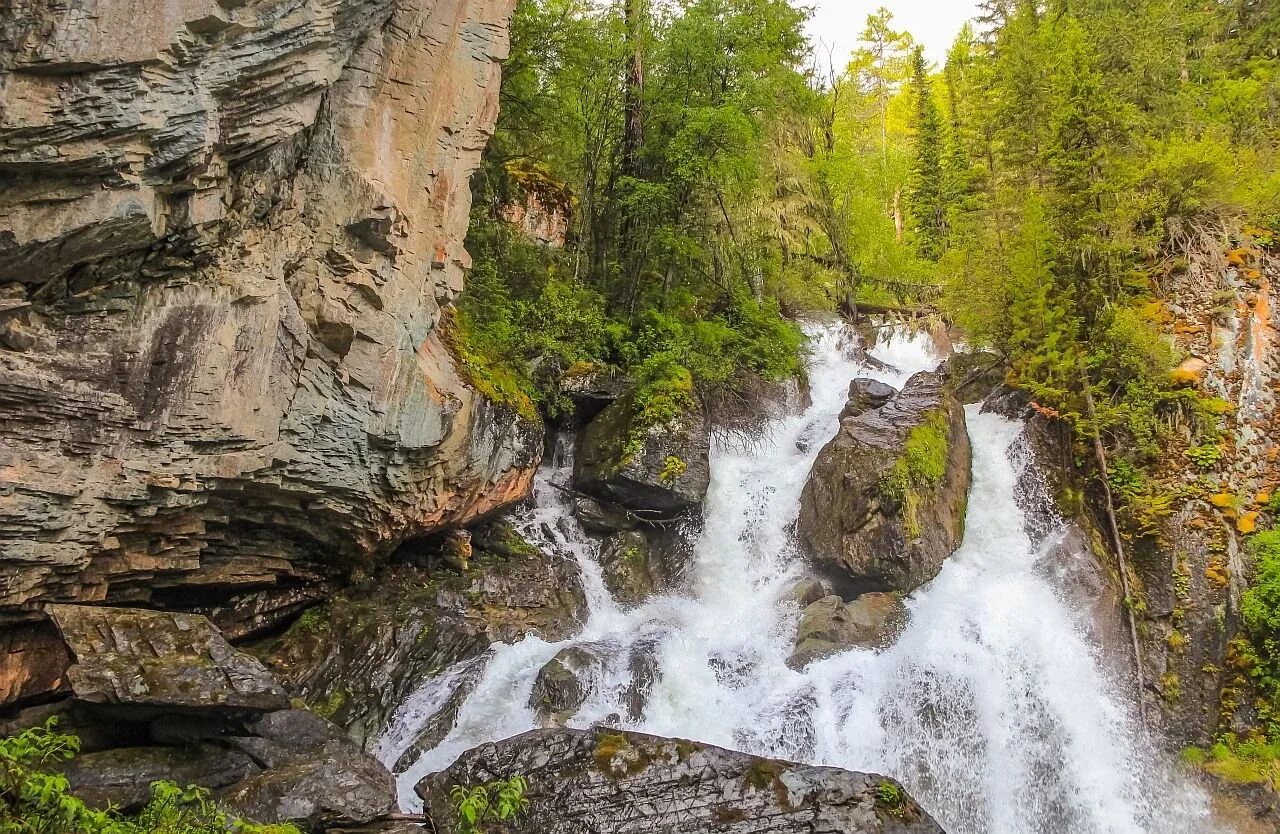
{"x": 227, "y": 231}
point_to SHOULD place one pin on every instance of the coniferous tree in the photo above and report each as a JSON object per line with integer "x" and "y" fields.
{"x": 927, "y": 196}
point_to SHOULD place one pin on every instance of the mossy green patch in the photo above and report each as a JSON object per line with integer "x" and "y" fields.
{"x": 921, "y": 467}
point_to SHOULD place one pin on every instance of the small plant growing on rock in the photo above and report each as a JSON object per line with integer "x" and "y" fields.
{"x": 891, "y": 799}
{"x": 496, "y": 801}
{"x": 672, "y": 468}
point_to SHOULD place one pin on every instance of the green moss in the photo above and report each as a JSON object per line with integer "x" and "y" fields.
{"x": 329, "y": 707}
{"x": 614, "y": 749}
{"x": 494, "y": 380}
{"x": 762, "y": 773}
{"x": 921, "y": 467}
{"x": 1241, "y": 762}
{"x": 672, "y": 468}
{"x": 891, "y": 799}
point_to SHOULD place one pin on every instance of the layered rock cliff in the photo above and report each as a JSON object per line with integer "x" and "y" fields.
{"x": 227, "y": 233}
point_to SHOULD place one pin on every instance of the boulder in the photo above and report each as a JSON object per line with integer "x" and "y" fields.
{"x": 158, "y": 662}
{"x": 33, "y": 662}
{"x": 559, "y": 690}
{"x": 866, "y": 395}
{"x": 831, "y": 625}
{"x": 122, "y": 777}
{"x": 657, "y": 472}
{"x": 884, "y": 505}
{"x": 639, "y": 563}
{"x": 314, "y": 775}
{"x": 608, "y": 782}
{"x": 602, "y": 518}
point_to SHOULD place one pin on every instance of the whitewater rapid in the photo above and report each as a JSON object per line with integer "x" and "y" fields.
{"x": 994, "y": 706}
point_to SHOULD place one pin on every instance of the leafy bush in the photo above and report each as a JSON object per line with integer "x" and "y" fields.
{"x": 36, "y": 799}
{"x": 496, "y": 801}
{"x": 1260, "y": 610}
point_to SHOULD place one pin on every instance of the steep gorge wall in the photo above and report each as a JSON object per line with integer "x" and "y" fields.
{"x": 227, "y": 232}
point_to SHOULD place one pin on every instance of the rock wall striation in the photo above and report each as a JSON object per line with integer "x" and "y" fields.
{"x": 227, "y": 234}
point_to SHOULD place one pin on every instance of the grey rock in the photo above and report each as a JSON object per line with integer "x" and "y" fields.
{"x": 831, "y": 625}
{"x": 609, "y": 782}
{"x": 866, "y": 395}
{"x": 602, "y": 518}
{"x": 667, "y": 475}
{"x": 333, "y": 784}
{"x": 160, "y": 661}
{"x": 870, "y": 517}
{"x": 356, "y": 658}
{"x": 559, "y": 690}
{"x": 639, "y": 563}
{"x": 122, "y": 777}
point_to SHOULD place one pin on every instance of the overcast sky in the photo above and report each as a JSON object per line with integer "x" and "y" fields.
{"x": 932, "y": 22}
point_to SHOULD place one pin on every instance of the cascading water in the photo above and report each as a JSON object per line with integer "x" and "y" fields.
{"x": 993, "y": 706}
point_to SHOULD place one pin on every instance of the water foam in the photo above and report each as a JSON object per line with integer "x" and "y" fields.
{"x": 994, "y": 707}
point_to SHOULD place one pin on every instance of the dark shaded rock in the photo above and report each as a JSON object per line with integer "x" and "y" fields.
{"x": 159, "y": 661}
{"x": 974, "y": 375}
{"x": 559, "y": 691}
{"x": 356, "y": 658}
{"x": 602, "y": 782}
{"x": 885, "y": 502}
{"x": 866, "y": 395}
{"x": 659, "y": 474}
{"x": 638, "y": 563}
{"x": 592, "y": 387}
{"x": 315, "y": 776}
{"x": 601, "y": 517}
{"x": 122, "y": 777}
{"x": 831, "y": 625}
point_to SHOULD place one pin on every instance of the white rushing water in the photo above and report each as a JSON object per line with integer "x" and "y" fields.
{"x": 993, "y": 706}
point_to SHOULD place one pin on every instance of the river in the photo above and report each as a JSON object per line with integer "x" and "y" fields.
{"x": 996, "y": 706}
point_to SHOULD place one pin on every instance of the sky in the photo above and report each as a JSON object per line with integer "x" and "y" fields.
{"x": 933, "y": 22}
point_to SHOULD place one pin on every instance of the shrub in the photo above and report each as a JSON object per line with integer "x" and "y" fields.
{"x": 496, "y": 801}
{"x": 36, "y": 799}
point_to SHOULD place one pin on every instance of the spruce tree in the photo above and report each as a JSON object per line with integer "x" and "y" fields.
{"x": 927, "y": 200}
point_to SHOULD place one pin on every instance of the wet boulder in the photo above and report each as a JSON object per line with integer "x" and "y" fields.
{"x": 884, "y": 505}
{"x": 866, "y": 395}
{"x": 831, "y": 625}
{"x": 607, "y": 782}
{"x": 602, "y": 517}
{"x": 559, "y": 691}
{"x": 639, "y": 563}
{"x": 313, "y": 775}
{"x": 658, "y": 471}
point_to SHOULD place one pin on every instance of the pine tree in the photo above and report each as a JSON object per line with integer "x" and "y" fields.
{"x": 927, "y": 200}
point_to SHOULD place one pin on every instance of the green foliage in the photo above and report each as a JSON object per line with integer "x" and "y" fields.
{"x": 921, "y": 467}
{"x": 1248, "y": 761}
{"x": 1260, "y": 611}
{"x": 497, "y": 801}
{"x": 35, "y": 798}
{"x": 891, "y": 798}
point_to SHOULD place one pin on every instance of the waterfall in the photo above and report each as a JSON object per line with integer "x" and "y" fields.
{"x": 995, "y": 706}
